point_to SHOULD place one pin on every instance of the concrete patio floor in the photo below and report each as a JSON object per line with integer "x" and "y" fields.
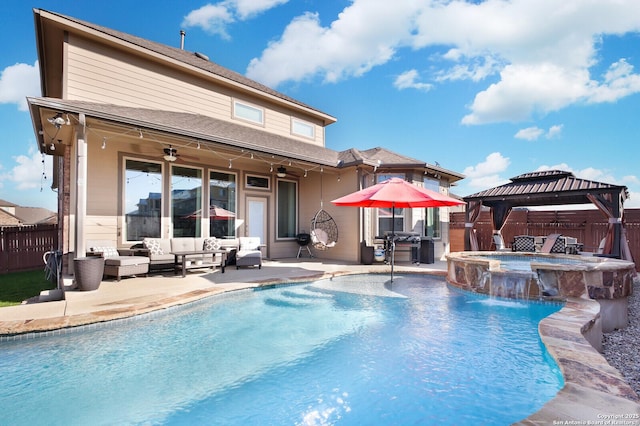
{"x": 594, "y": 392}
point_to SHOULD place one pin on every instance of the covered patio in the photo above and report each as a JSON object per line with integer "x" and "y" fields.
{"x": 549, "y": 188}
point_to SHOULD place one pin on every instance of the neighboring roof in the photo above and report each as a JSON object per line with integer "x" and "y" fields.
{"x": 34, "y": 215}
{"x": 7, "y": 219}
{"x": 552, "y": 187}
{"x": 190, "y": 58}
{"x": 4, "y": 203}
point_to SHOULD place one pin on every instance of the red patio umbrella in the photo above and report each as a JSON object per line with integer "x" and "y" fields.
{"x": 215, "y": 212}
{"x": 396, "y": 193}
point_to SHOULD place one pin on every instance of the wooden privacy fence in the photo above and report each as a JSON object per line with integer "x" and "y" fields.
{"x": 588, "y": 226}
{"x": 22, "y": 247}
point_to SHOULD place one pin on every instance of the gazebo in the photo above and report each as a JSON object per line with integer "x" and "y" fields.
{"x": 552, "y": 187}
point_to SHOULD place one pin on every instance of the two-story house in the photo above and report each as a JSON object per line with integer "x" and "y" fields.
{"x": 153, "y": 140}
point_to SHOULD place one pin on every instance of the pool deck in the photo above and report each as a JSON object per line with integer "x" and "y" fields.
{"x": 594, "y": 391}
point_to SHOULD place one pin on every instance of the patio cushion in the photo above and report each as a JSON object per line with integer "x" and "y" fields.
{"x": 184, "y": 244}
{"x": 106, "y": 251}
{"x": 249, "y": 243}
{"x": 126, "y": 260}
{"x": 524, "y": 243}
{"x": 211, "y": 243}
{"x": 153, "y": 245}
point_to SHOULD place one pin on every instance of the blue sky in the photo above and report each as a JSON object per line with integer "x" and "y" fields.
{"x": 491, "y": 89}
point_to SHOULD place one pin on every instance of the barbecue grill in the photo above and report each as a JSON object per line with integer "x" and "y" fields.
{"x": 303, "y": 240}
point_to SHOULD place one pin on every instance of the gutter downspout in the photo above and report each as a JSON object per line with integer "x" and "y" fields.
{"x": 81, "y": 187}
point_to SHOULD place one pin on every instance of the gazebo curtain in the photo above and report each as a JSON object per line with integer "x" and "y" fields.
{"x": 613, "y": 211}
{"x": 470, "y": 238}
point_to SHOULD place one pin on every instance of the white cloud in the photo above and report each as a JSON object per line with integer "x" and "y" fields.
{"x": 215, "y": 18}
{"x": 211, "y": 18}
{"x": 534, "y": 133}
{"x": 590, "y": 173}
{"x": 249, "y": 8}
{"x": 619, "y": 81}
{"x": 554, "y": 131}
{"x": 540, "y": 54}
{"x": 365, "y": 35}
{"x": 408, "y": 80}
{"x": 27, "y": 173}
{"x": 17, "y": 82}
{"x": 487, "y": 173}
{"x": 530, "y": 133}
{"x": 525, "y": 90}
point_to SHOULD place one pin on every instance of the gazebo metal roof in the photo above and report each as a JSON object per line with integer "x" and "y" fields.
{"x": 552, "y": 187}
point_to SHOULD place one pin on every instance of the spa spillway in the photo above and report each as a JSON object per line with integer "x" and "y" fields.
{"x": 547, "y": 276}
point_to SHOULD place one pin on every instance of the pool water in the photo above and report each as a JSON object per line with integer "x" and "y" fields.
{"x": 523, "y": 263}
{"x": 348, "y": 351}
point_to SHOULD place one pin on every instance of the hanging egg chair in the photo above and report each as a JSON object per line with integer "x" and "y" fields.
{"x": 324, "y": 231}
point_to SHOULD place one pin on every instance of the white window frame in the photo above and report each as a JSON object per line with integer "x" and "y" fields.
{"x": 124, "y": 236}
{"x": 296, "y": 124}
{"x": 247, "y": 184}
{"x": 295, "y": 212}
{"x": 239, "y": 106}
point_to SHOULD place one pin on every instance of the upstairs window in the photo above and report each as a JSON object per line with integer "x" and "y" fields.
{"x": 248, "y": 112}
{"x": 303, "y": 128}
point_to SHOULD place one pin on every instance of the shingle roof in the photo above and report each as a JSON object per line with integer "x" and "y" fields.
{"x": 7, "y": 219}
{"x": 4, "y": 203}
{"x": 197, "y": 126}
{"x": 550, "y": 187}
{"x": 189, "y": 58}
{"x": 34, "y": 215}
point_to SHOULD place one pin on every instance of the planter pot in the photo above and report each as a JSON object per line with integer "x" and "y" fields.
{"x": 88, "y": 272}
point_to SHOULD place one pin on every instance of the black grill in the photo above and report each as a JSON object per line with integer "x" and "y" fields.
{"x": 303, "y": 239}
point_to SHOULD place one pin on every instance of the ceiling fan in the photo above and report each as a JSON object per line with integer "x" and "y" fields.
{"x": 282, "y": 172}
{"x": 170, "y": 154}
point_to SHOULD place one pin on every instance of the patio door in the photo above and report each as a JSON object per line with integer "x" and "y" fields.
{"x": 256, "y": 218}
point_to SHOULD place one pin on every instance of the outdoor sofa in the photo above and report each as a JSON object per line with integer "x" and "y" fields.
{"x": 120, "y": 263}
{"x": 159, "y": 250}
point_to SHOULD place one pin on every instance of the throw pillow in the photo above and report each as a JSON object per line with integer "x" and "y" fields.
{"x": 211, "y": 243}
{"x": 153, "y": 246}
{"x": 106, "y": 251}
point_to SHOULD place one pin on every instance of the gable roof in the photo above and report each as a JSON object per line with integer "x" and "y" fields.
{"x": 552, "y": 187}
{"x": 184, "y": 57}
{"x": 7, "y": 219}
{"x": 4, "y": 203}
{"x": 384, "y": 158}
{"x": 34, "y": 215}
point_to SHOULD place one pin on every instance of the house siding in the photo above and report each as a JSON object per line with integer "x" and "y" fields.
{"x": 97, "y": 73}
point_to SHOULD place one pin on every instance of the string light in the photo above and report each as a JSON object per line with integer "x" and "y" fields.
{"x": 271, "y": 168}
{"x": 230, "y": 164}
{"x": 104, "y": 142}
{"x": 305, "y": 173}
{"x": 44, "y": 173}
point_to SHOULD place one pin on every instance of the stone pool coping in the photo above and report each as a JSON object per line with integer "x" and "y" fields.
{"x": 594, "y": 390}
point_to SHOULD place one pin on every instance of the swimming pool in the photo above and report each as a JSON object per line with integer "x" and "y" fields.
{"x": 344, "y": 351}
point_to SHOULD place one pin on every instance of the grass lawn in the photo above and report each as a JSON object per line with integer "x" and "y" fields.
{"x": 19, "y": 286}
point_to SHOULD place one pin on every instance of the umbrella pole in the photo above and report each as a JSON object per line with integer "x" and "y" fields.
{"x": 393, "y": 237}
